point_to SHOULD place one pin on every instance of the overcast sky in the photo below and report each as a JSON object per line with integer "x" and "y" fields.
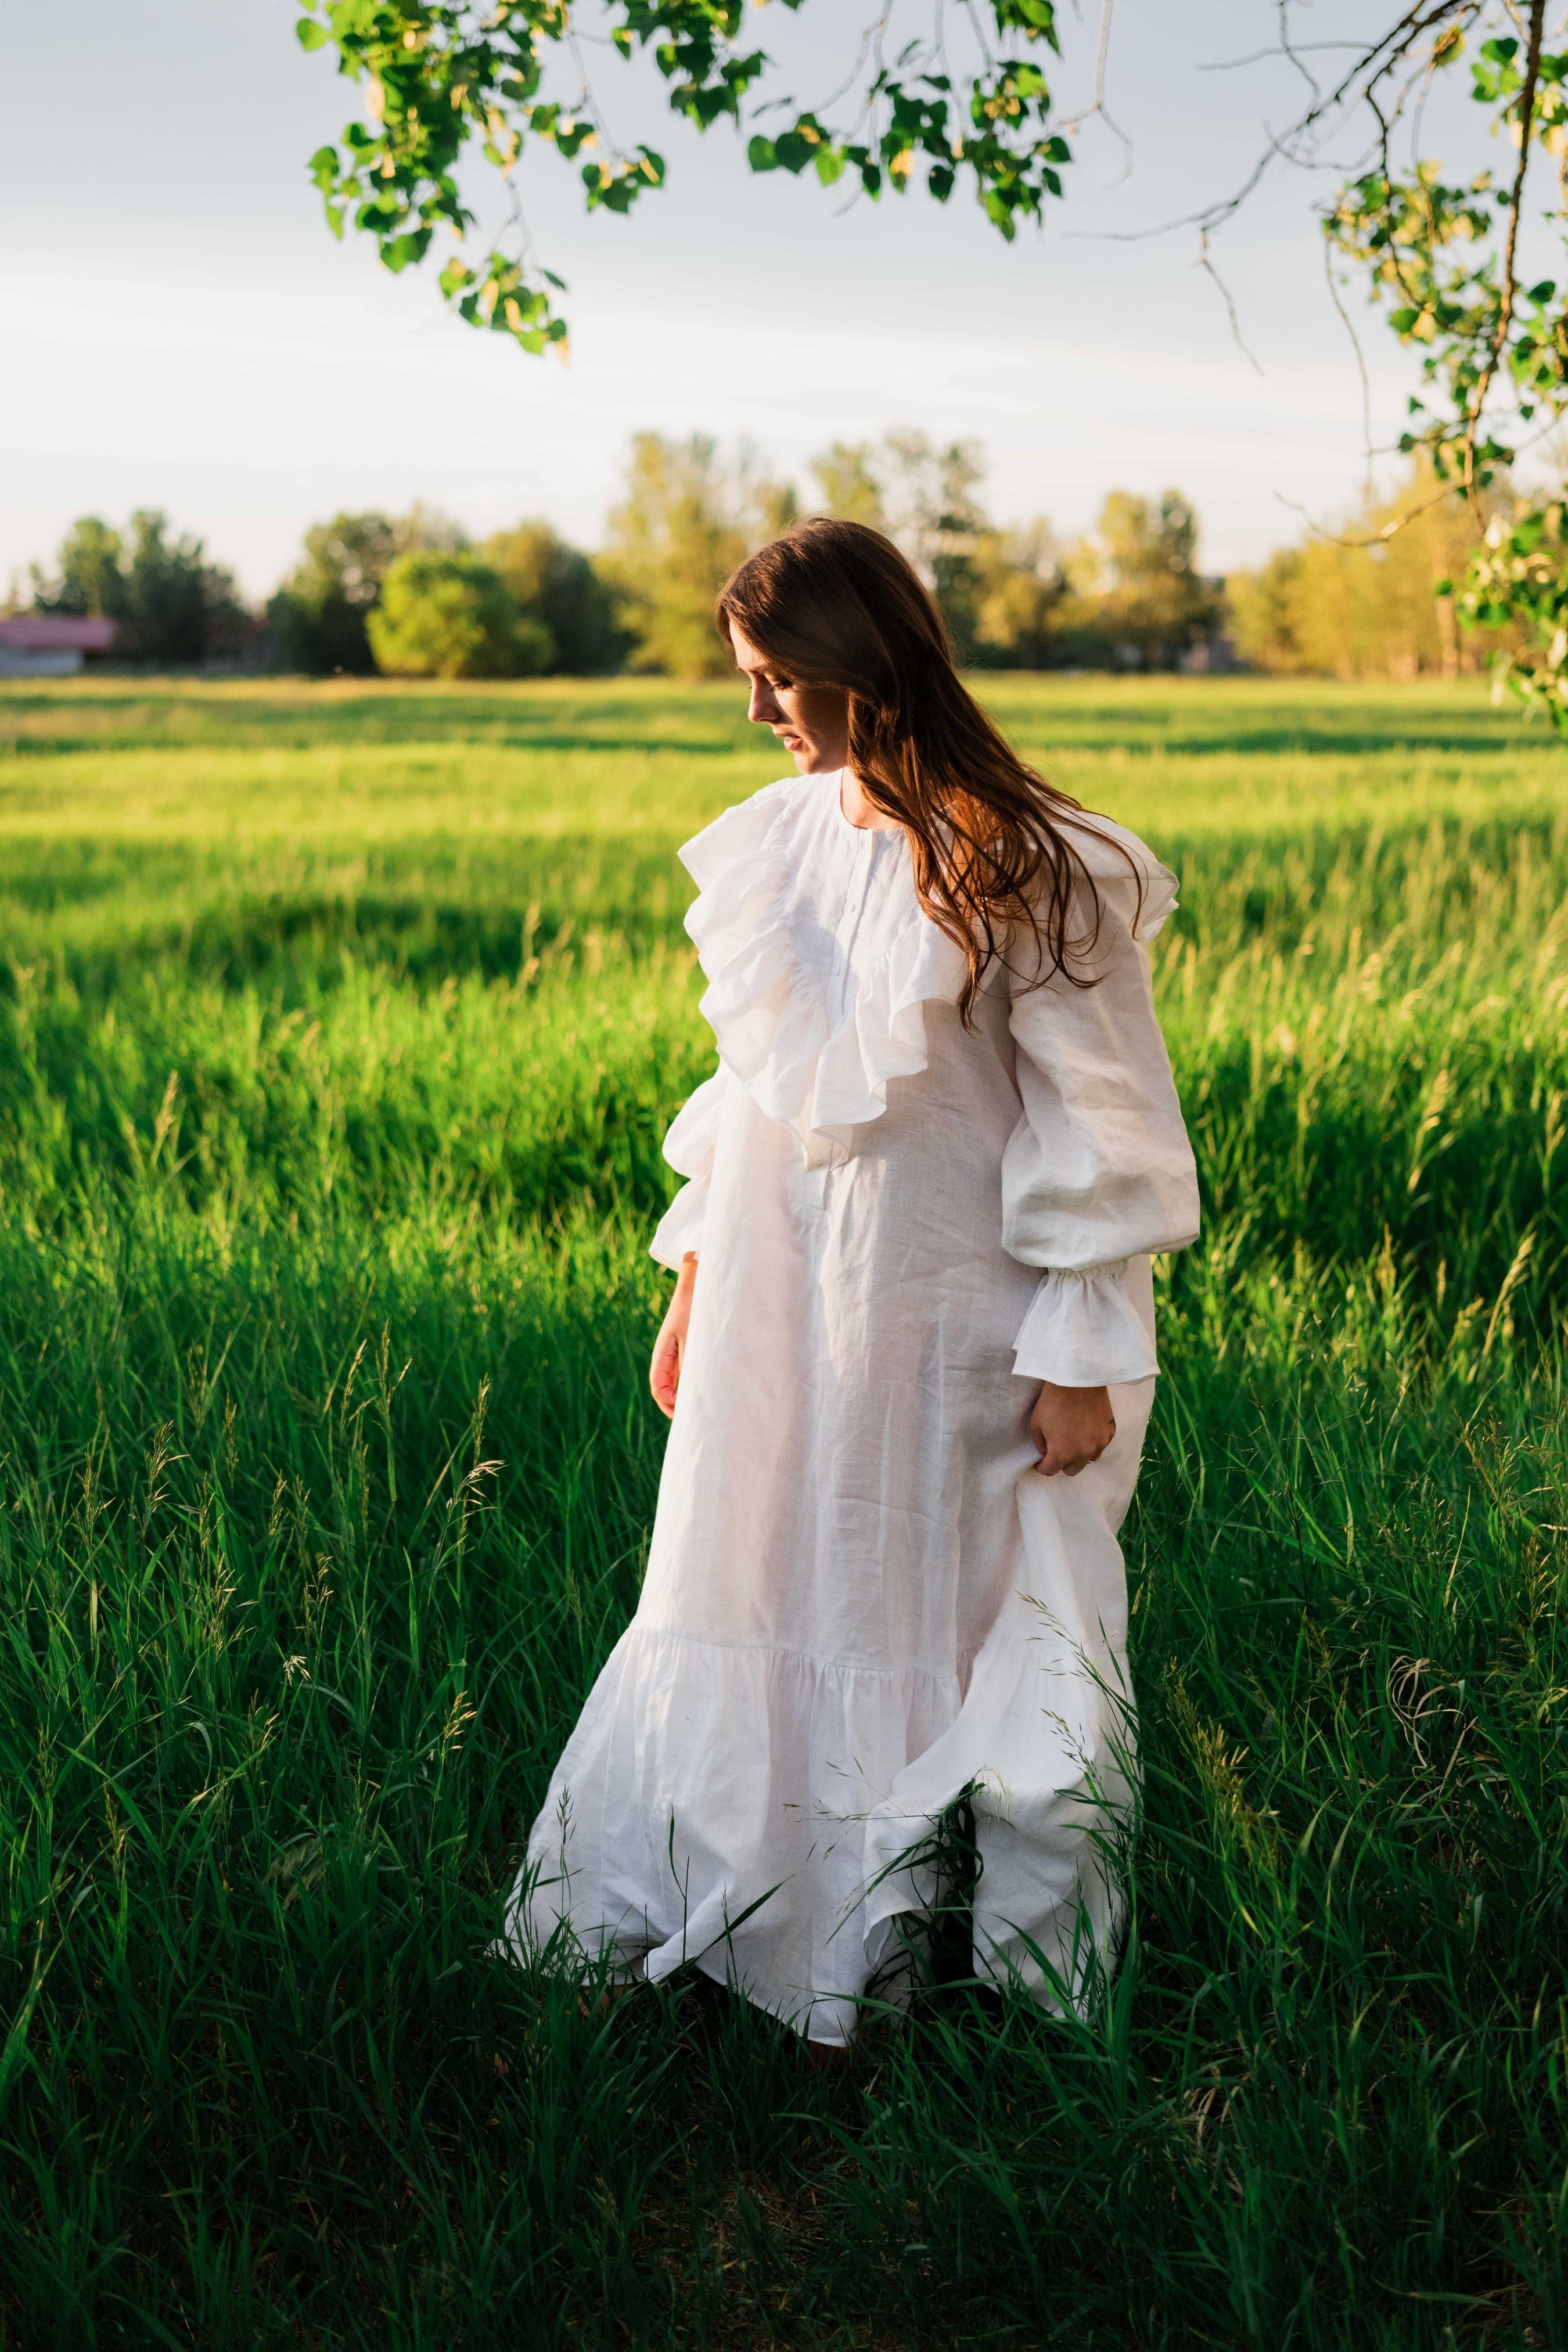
{"x": 178, "y": 328}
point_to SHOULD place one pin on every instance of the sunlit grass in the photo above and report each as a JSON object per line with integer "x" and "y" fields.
{"x": 337, "y": 1037}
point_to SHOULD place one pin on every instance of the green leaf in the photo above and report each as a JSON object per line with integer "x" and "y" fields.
{"x": 442, "y": 67}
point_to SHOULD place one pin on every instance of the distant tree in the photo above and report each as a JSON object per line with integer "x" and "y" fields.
{"x": 169, "y": 604}
{"x": 1361, "y": 605}
{"x": 179, "y": 607}
{"x": 1266, "y": 611}
{"x": 846, "y": 483}
{"x": 425, "y": 531}
{"x": 939, "y": 522}
{"x": 1018, "y": 589}
{"x": 1139, "y": 577}
{"x": 1131, "y": 596}
{"x": 924, "y": 497}
{"x": 318, "y": 616}
{"x": 560, "y": 586}
{"x": 453, "y": 617}
{"x": 687, "y": 518}
{"x": 989, "y": 582}
{"x": 90, "y": 579}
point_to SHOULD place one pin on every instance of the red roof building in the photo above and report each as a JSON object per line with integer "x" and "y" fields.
{"x": 51, "y": 645}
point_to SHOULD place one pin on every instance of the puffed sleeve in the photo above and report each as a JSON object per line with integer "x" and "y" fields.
{"x": 1098, "y": 1173}
{"x": 690, "y": 1148}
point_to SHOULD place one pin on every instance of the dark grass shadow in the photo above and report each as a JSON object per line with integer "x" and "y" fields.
{"x": 587, "y": 717}
{"x": 622, "y": 720}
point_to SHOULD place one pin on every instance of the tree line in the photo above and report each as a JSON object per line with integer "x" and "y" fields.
{"x": 414, "y": 596}
{"x": 1376, "y": 598}
{"x": 170, "y": 607}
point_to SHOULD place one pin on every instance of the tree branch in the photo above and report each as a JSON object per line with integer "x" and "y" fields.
{"x": 1510, "y": 252}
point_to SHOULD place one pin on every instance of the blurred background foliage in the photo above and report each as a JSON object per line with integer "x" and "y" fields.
{"x": 172, "y": 608}
{"x": 413, "y": 595}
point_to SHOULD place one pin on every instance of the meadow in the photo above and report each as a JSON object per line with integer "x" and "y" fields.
{"x": 338, "y": 1027}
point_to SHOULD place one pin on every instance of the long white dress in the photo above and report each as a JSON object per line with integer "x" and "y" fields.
{"x": 861, "y": 1599}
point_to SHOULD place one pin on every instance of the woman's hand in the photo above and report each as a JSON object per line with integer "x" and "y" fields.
{"x": 1072, "y": 1427}
{"x": 669, "y": 1348}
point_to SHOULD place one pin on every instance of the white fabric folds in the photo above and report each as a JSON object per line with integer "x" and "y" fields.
{"x": 690, "y": 1148}
{"x": 819, "y": 1064}
{"x": 862, "y": 1603}
{"x": 1083, "y": 1331}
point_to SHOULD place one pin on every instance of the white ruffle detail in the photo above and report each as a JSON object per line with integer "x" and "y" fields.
{"x": 769, "y": 1816}
{"x": 1083, "y": 1330}
{"x": 1100, "y": 842}
{"x": 679, "y": 1233}
{"x": 711, "y": 1808}
{"x": 1044, "y": 1745}
{"x": 690, "y": 1148}
{"x": 820, "y": 1079}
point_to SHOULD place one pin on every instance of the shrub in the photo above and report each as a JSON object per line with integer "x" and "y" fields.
{"x": 453, "y": 617}
{"x": 559, "y": 586}
{"x": 689, "y": 516}
{"x": 318, "y": 616}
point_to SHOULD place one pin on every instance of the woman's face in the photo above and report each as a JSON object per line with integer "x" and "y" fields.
{"x": 811, "y": 722}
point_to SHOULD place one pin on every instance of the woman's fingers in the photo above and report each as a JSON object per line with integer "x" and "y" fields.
{"x": 664, "y": 1372}
{"x": 1054, "y": 1462}
{"x": 1071, "y": 1427}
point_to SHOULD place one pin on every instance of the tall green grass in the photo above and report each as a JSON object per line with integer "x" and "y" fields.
{"x": 337, "y": 1035}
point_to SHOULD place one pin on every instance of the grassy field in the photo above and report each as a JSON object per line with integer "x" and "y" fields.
{"x": 338, "y": 1030}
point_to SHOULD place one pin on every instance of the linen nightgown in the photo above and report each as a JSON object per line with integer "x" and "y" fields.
{"x": 862, "y": 1599}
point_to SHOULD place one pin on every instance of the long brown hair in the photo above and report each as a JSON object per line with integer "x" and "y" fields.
{"x": 835, "y": 604}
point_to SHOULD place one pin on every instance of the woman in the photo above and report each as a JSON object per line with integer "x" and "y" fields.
{"x": 910, "y": 1354}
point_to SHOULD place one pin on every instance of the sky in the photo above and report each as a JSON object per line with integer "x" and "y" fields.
{"x": 178, "y": 328}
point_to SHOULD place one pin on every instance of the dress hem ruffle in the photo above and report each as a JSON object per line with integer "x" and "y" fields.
{"x": 835, "y": 1777}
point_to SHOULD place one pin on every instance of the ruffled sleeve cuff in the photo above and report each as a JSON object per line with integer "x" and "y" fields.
{"x": 690, "y": 1148}
{"x": 679, "y": 1232}
{"x": 1083, "y": 1331}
